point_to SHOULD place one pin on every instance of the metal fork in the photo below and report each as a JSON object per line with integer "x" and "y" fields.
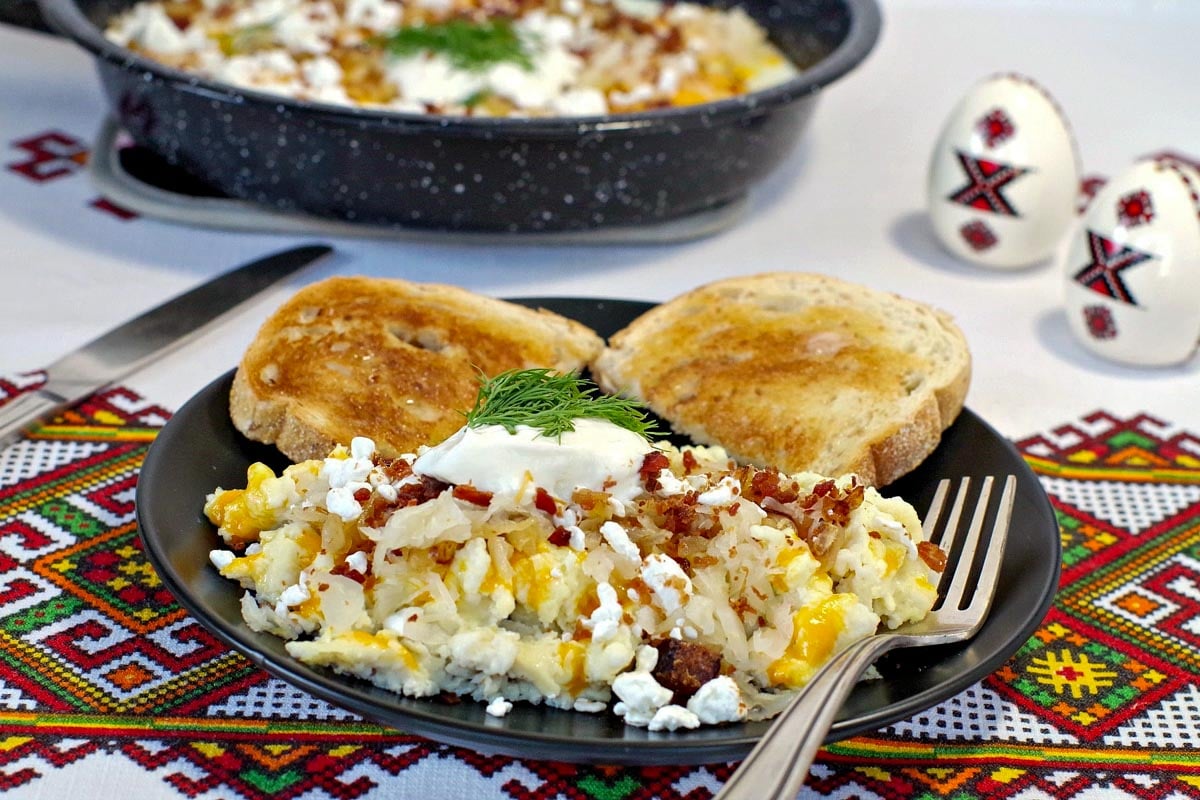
{"x": 778, "y": 765}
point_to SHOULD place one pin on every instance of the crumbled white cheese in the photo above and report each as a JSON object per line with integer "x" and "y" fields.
{"x": 669, "y": 485}
{"x": 641, "y": 696}
{"x": 589, "y": 706}
{"x": 221, "y": 558}
{"x": 672, "y": 718}
{"x": 308, "y": 28}
{"x": 668, "y": 582}
{"x": 639, "y": 9}
{"x": 295, "y": 595}
{"x": 260, "y": 12}
{"x": 340, "y": 501}
{"x": 606, "y": 618}
{"x": 355, "y": 469}
{"x": 375, "y": 15}
{"x": 499, "y": 707}
{"x": 618, "y": 540}
{"x": 724, "y": 493}
{"x": 578, "y": 538}
{"x": 718, "y": 700}
{"x": 150, "y": 28}
{"x": 323, "y": 77}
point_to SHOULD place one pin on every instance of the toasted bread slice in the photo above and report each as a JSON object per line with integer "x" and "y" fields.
{"x": 395, "y": 361}
{"x": 797, "y": 371}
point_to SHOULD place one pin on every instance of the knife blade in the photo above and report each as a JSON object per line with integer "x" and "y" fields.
{"x": 133, "y": 344}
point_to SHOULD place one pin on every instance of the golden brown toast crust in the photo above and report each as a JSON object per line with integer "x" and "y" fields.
{"x": 802, "y": 372}
{"x": 388, "y": 359}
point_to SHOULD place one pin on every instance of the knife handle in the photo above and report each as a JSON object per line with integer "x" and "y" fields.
{"x": 24, "y": 410}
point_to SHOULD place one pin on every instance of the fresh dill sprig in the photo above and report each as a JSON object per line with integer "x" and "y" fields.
{"x": 470, "y": 46}
{"x": 551, "y": 402}
{"x": 249, "y": 39}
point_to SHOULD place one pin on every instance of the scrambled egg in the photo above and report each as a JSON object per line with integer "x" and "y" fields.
{"x": 423, "y": 586}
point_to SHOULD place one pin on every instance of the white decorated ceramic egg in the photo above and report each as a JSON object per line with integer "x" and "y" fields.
{"x": 1004, "y": 175}
{"x": 1132, "y": 266}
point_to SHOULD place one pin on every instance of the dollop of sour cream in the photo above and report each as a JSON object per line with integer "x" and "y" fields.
{"x": 597, "y": 455}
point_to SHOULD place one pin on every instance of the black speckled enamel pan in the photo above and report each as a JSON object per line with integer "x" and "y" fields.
{"x": 559, "y": 174}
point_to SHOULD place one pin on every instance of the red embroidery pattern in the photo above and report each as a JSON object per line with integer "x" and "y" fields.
{"x": 1135, "y": 208}
{"x": 986, "y": 182}
{"x": 978, "y": 235}
{"x": 995, "y": 127}
{"x": 50, "y": 155}
{"x": 1108, "y": 260}
{"x": 1100, "y": 322}
{"x": 54, "y": 154}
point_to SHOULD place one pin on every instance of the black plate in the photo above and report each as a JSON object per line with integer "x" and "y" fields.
{"x": 199, "y": 449}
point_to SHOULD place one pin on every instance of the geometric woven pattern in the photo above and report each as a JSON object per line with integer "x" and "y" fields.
{"x": 102, "y": 670}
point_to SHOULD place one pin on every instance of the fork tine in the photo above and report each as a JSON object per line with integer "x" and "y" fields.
{"x": 990, "y": 571}
{"x": 960, "y": 574}
{"x": 949, "y": 527}
{"x": 935, "y": 508}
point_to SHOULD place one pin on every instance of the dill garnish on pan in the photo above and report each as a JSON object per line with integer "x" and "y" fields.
{"x": 470, "y": 46}
{"x": 550, "y": 402}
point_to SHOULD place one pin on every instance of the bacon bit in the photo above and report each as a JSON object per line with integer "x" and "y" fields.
{"x": 733, "y": 509}
{"x": 414, "y": 494}
{"x": 449, "y": 698}
{"x": 443, "y": 552}
{"x": 764, "y": 483}
{"x": 639, "y": 586}
{"x": 469, "y": 494}
{"x": 679, "y": 514}
{"x": 690, "y": 464}
{"x": 376, "y": 511}
{"x": 932, "y": 555}
{"x": 672, "y": 40}
{"x": 561, "y": 537}
{"x": 362, "y": 494}
{"x": 322, "y": 587}
{"x": 742, "y": 607}
{"x": 394, "y": 469}
{"x": 676, "y": 582}
{"x": 542, "y": 501}
{"x": 875, "y": 534}
{"x": 820, "y": 516}
{"x": 654, "y": 463}
{"x": 349, "y": 572}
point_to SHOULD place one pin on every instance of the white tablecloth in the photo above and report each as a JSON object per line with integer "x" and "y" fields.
{"x": 850, "y": 202}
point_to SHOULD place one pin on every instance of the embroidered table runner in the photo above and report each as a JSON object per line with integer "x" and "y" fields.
{"x": 107, "y": 682}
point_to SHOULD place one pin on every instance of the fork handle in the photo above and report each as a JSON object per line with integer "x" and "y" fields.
{"x": 778, "y": 766}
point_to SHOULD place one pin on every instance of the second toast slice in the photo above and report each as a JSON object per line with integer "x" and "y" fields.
{"x": 797, "y": 371}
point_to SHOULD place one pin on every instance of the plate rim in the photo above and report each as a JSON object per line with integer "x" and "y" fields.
{"x": 647, "y": 749}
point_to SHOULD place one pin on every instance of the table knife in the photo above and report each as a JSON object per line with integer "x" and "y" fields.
{"x": 135, "y": 343}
